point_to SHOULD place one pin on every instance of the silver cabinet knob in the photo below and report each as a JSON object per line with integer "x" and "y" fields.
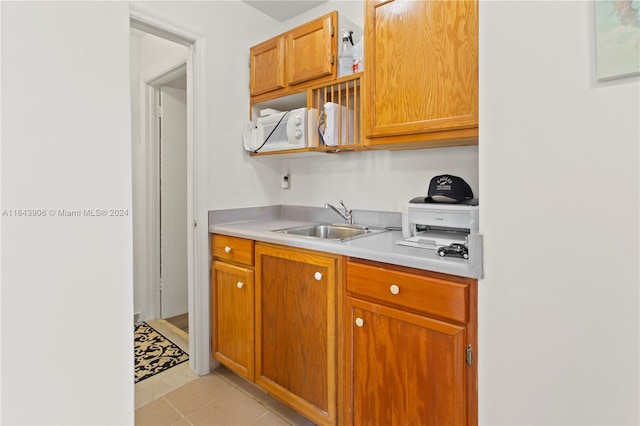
{"x": 394, "y": 289}
{"x": 227, "y": 249}
{"x": 318, "y": 276}
{"x": 240, "y": 284}
{"x": 359, "y": 322}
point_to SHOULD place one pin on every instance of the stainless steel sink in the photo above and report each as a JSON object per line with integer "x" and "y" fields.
{"x": 340, "y": 232}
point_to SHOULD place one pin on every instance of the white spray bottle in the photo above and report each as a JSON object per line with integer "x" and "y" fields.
{"x": 345, "y": 57}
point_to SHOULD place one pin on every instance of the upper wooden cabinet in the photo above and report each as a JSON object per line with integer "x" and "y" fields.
{"x": 311, "y": 51}
{"x": 295, "y": 60}
{"x": 267, "y": 66}
{"x": 421, "y": 65}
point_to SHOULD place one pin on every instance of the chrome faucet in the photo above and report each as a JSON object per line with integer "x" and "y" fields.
{"x": 347, "y": 214}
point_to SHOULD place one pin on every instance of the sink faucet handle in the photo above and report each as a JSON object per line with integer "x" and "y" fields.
{"x": 348, "y": 213}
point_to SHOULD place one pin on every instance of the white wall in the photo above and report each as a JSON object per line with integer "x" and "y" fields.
{"x": 381, "y": 180}
{"x": 558, "y": 311}
{"x": 66, "y": 281}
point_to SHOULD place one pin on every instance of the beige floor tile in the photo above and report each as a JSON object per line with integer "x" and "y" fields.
{"x": 287, "y": 413}
{"x": 157, "y": 413}
{"x": 234, "y": 407}
{"x": 198, "y": 393}
{"x": 230, "y": 376}
{"x": 259, "y": 394}
{"x": 249, "y": 388}
{"x": 272, "y": 419}
{"x": 219, "y": 398}
{"x": 272, "y": 404}
{"x": 163, "y": 383}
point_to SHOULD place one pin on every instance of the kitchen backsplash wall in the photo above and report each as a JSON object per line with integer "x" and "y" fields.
{"x": 376, "y": 180}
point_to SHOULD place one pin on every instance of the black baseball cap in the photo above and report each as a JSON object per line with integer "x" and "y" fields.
{"x": 448, "y": 189}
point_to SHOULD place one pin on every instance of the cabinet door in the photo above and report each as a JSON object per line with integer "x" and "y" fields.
{"x": 233, "y": 317}
{"x": 295, "y": 330}
{"x": 311, "y": 51}
{"x": 267, "y": 72}
{"x": 422, "y": 70}
{"x": 406, "y": 369}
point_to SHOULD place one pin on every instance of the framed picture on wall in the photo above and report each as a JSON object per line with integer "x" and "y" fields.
{"x": 617, "y": 38}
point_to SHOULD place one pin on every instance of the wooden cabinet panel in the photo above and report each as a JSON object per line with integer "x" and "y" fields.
{"x": 296, "y": 329}
{"x": 289, "y": 297}
{"x": 233, "y": 249}
{"x": 419, "y": 293}
{"x": 233, "y": 325}
{"x": 422, "y": 71}
{"x": 309, "y": 51}
{"x": 406, "y": 369}
{"x": 295, "y": 60}
{"x": 409, "y": 350}
{"x": 267, "y": 71}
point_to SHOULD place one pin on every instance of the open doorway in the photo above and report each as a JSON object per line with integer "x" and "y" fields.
{"x": 160, "y": 170}
{"x": 162, "y": 230}
{"x": 145, "y": 223}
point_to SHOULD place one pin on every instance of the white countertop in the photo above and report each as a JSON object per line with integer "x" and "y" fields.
{"x": 379, "y": 247}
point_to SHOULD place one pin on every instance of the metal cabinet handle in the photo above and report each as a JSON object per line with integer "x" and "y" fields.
{"x": 227, "y": 249}
{"x": 318, "y": 276}
{"x": 240, "y": 284}
{"x": 394, "y": 289}
{"x": 359, "y": 322}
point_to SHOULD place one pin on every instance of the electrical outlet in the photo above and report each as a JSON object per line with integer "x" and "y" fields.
{"x": 285, "y": 183}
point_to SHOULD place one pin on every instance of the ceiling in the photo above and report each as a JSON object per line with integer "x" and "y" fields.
{"x": 283, "y": 9}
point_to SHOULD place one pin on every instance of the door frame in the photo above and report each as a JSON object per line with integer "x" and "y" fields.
{"x": 197, "y": 241}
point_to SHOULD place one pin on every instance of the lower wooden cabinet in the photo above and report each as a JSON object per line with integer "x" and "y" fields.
{"x": 409, "y": 361}
{"x": 296, "y": 357}
{"x": 232, "y": 303}
{"x": 233, "y": 326}
{"x": 345, "y": 341}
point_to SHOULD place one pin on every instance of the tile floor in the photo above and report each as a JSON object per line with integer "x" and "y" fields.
{"x": 179, "y": 397}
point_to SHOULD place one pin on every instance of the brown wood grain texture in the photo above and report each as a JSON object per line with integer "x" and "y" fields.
{"x": 241, "y": 249}
{"x": 422, "y": 70}
{"x": 293, "y": 61}
{"x": 407, "y": 368}
{"x": 418, "y": 293}
{"x": 405, "y": 363}
{"x": 296, "y": 358}
{"x": 233, "y": 342}
{"x": 294, "y": 329}
{"x": 267, "y": 72}
{"x": 309, "y": 50}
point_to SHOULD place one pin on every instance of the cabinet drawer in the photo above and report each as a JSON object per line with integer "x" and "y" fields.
{"x": 414, "y": 292}
{"x": 234, "y": 249}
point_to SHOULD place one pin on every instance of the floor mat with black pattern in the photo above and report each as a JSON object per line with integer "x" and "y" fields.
{"x": 154, "y": 353}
